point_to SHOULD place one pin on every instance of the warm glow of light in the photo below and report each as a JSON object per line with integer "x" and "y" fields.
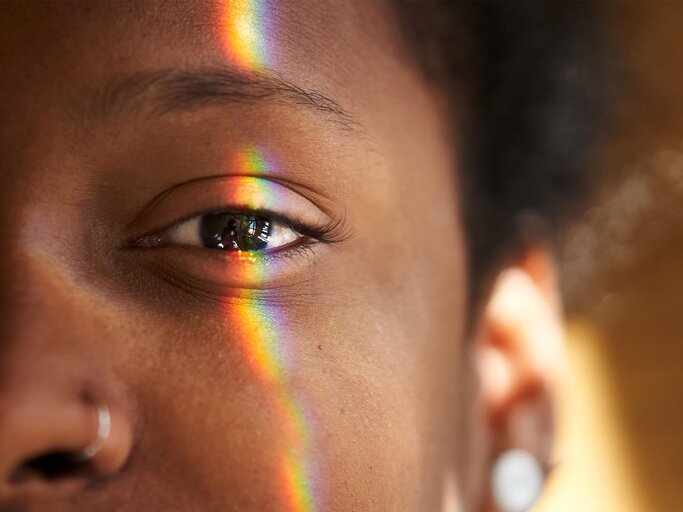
{"x": 263, "y": 335}
{"x": 596, "y": 467}
{"x": 251, "y": 161}
{"x": 246, "y": 33}
{"x": 294, "y": 481}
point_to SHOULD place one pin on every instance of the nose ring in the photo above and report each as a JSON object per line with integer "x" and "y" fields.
{"x": 103, "y": 428}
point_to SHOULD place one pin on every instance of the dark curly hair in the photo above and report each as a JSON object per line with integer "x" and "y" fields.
{"x": 524, "y": 80}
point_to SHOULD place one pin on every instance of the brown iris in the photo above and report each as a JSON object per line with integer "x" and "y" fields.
{"x": 235, "y": 231}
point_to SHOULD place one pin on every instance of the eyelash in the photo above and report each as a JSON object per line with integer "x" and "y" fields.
{"x": 334, "y": 232}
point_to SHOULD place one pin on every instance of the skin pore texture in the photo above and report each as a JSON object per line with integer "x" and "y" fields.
{"x": 321, "y": 376}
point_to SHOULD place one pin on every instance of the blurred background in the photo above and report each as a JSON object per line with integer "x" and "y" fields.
{"x": 621, "y": 414}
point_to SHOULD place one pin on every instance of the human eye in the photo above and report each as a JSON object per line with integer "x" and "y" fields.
{"x": 235, "y": 231}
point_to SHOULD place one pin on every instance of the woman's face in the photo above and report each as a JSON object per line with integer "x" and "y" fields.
{"x": 235, "y": 225}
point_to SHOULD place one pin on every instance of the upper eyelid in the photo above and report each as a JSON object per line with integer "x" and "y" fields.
{"x": 267, "y": 196}
{"x": 322, "y": 201}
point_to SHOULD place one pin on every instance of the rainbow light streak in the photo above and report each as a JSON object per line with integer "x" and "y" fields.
{"x": 247, "y": 32}
{"x": 251, "y": 161}
{"x": 262, "y": 330}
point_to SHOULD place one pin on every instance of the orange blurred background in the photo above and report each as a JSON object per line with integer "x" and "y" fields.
{"x": 621, "y": 411}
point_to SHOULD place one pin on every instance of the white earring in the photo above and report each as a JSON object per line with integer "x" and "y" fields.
{"x": 517, "y": 481}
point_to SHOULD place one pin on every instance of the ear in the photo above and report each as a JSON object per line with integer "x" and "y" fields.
{"x": 519, "y": 347}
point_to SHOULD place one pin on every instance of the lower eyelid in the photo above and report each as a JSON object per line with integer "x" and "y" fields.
{"x": 220, "y": 273}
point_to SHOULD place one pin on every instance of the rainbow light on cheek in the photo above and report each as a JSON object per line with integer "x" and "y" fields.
{"x": 247, "y": 32}
{"x": 264, "y": 346}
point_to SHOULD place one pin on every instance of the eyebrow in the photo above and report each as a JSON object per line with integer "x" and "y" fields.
{"x": 167, "y": 91}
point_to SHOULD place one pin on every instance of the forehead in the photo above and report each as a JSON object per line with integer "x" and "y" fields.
{"x": 326, "y": 43}
{"x": 56, "y": 54}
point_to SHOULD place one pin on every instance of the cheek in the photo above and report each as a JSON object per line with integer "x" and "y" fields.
{"x": 382, "y": 352}
{"x": 390, "y": 383}
{"x": 211, "y": 429}
{"x": 384, "y": 390}
{"x": 336, "y": 405}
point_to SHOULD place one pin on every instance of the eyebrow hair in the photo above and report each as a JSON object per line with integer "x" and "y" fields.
{"x": 166, "y": 91}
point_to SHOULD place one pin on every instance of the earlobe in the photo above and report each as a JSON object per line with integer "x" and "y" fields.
{"x": 520, "y": 353}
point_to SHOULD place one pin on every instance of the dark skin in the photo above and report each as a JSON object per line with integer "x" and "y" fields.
{"x": 103, "y": 302}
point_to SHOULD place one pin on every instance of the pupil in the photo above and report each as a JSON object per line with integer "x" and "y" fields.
{"x": 234, "y": 231}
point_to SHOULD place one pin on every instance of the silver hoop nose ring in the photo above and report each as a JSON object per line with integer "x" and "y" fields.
{"x": 103, "y": 428}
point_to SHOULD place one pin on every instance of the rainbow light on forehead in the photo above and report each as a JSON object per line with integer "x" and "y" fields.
{"x": 247, "y": 32}
{"x": 251, "y": 161}
{"x": 263, "y": 331}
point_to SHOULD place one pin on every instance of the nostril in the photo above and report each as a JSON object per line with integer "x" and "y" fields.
{"x": 49, "y": 467}
{"x": 50, "y": 451}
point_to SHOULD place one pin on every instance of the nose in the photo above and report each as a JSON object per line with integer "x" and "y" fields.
{"x": 53, "y": 445}
{"x": 40, "y": 440}
{"x": 64, "y": 417}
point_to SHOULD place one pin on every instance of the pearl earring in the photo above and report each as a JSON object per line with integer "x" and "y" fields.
{"x": 516, "y": 481}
